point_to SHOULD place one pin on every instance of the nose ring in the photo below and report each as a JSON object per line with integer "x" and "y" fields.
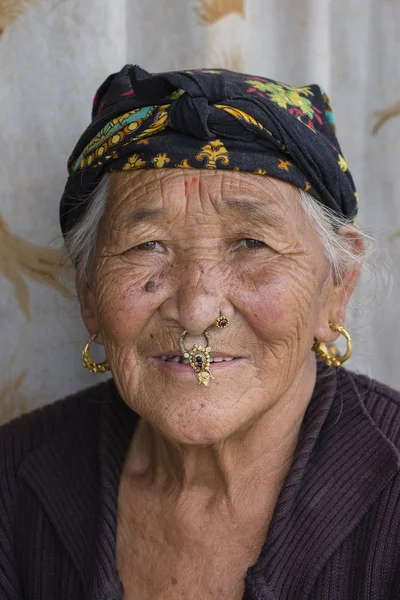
{"x": 222, "y": 322}
{"x": 199, "y": 358}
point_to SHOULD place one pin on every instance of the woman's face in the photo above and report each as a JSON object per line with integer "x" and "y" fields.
{"x": 178, "y": 248}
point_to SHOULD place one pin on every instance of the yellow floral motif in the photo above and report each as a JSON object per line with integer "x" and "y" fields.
{"x": 342, "y": 163}
{"x": 159, "y": 124}
{"x": 212, "y": 71}
{"x": 176, "y": 94}
{"x": 213, "y": 152}
{"x": 260, "y": 172}
{"x": 357, "y": 200}
{"x": 99, "y": 152}
{"x": 113, "y": 155}
{"x": 285, "y": 95}
{"x": 240, "y": 115}
{"x": 307, "y": 186}
{"x": 134, "y": 162}
{"x": 184, "y": 164}
{"x": 284, "y": 164}
{"x": 142, "y": 142}
{"x": 103, "y": 141}
{"x": 160, "y": 160}
{"x": 243, "y": 116}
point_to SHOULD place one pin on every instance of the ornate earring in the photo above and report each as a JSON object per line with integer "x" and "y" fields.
{"x": 330, "y": 356}
{"x": 88, "y": 363}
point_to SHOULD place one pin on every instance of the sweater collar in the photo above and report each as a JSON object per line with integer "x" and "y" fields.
{"x": 75, "y": 476}
{"x": 343, "y": 462}
{"x": 117, "y": 425}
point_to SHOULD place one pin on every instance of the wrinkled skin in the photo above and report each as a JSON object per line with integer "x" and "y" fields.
{"x": 180, "y": 269}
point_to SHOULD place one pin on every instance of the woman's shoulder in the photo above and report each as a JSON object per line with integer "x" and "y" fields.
{"x": 381, "y": 402}
{"x": 26, "y": 433}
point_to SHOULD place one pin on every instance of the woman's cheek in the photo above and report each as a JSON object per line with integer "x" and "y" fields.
{"x": 267, "y": 312}
{"x": 277, "y": 307}
{"x": 126, "y": 299}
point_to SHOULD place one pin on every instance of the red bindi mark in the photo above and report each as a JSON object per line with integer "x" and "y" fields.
{"x": 193, "y": 181}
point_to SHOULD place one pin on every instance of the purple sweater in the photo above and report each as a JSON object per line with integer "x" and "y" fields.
{"x": 335, "y": 532}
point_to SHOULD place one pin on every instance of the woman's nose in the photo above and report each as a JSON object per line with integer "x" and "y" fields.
{"x": 197, "y": 301}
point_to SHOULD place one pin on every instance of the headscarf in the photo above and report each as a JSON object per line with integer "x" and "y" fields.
{"x": 210, "y": 119}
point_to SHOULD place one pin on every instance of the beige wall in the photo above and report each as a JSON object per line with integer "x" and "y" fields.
{"x": 53, "y": 56}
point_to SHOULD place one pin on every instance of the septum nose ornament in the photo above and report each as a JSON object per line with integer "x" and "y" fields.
{"x": 199, "y": 356}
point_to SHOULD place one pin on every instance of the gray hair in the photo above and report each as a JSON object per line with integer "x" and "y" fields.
{"x": 338, "y": 249}
{"x": 80, "y": 240}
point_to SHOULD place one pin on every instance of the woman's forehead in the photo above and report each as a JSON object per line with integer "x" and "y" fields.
{"x": 145, "y": 188}
{"x": 164, "y": 198}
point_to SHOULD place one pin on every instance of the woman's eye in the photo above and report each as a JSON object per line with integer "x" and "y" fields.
{"x": 251, "y": 244}
{"x": 148, "y": 246}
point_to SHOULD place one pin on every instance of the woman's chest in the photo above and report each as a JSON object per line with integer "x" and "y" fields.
{"x": 151, "y": 573}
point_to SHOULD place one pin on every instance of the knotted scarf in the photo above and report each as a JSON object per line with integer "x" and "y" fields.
{"x": 209, "y": 119}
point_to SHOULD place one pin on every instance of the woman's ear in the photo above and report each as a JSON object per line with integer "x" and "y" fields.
{"x": 87, "y": 303}
{"x": 339, "y": 288}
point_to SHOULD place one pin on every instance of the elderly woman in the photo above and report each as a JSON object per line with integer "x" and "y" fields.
{"x": 210, "y": 218}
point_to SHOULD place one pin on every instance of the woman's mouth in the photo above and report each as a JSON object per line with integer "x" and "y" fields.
{"x": 180, "y": 359}
{"x": 178, "y": 364}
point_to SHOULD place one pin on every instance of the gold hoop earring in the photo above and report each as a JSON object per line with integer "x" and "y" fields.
{"x": 88, "y": 363}
{"x": 330, "y": 356}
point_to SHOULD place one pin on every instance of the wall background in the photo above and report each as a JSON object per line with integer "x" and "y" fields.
{"x": 53, "y": 56}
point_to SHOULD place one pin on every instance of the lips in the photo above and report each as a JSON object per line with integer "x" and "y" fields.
{"x": 180, "y": 359}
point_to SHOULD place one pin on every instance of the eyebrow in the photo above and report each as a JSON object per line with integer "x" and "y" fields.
{"x": 257, "y": 210}
{"x": 138, "y": 216}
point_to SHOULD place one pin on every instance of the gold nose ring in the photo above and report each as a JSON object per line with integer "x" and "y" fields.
{"x": 222, "y": 322}
{"x": 199, "y": 358}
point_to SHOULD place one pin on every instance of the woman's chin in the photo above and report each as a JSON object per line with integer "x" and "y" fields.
{"x": 202, "y": 427}
{"x": 184, "y": 411}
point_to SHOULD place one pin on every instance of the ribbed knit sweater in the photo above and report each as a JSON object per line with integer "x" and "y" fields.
{"x": 334, "y": 535}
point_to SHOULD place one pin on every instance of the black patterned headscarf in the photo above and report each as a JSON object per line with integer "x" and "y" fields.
{"x": 210, "y": 119}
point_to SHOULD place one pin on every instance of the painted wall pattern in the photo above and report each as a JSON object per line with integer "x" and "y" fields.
{"x": 54, "y": 54}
